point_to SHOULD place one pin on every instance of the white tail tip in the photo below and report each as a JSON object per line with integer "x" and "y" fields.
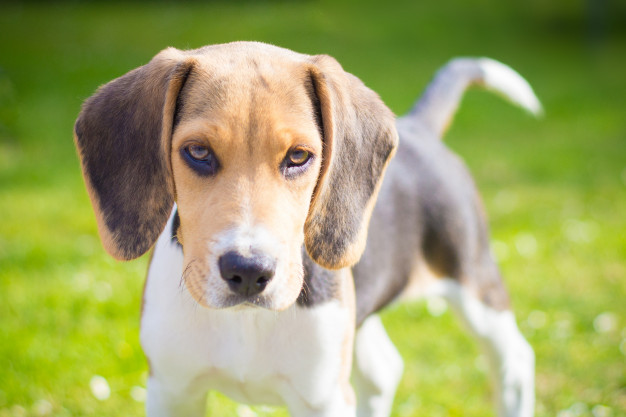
{"x": 439, "y": 102}
{"x": 506, "y": 81}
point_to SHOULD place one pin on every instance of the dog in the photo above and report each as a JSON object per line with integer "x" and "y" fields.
{"x": 254, "y": 172}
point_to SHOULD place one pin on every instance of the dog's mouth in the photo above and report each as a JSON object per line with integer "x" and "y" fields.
{"x": 243, "y": 285}
{"x": 224, "y": 299}
{"x": 257, "y": 301}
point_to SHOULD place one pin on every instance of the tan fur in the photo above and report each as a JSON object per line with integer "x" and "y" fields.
{"x": 420, "y": 280}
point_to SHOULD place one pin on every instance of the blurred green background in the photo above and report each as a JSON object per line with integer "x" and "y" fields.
{"x": 555, "y": 190}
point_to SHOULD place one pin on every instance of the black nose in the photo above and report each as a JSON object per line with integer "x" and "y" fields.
{"x": 246, "y": 276}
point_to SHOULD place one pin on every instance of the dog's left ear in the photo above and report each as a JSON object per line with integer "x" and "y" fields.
{"x": 359, "y": 138}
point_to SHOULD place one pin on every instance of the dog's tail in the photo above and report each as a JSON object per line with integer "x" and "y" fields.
{"x": 439, "y": 102}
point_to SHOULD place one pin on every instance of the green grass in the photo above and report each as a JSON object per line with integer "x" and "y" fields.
{"x": 555, "y": 190}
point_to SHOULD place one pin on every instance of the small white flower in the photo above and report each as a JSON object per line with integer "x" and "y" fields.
{"x": 18, "y": 411}
{"x": 138, "y": 394}
{"x": 81, "y": 281}
{"x": 436, "y": 306}
{"x": 481, "y": 363}
{"x": 526, "y": 245}
{"x": 601, "y": 411}
{"x": 102, "y": 291}
{"x": 605, "y": 322}
{"x": 408, "y": 407}
{"x": 245, "y": 411}
{"x": 100, "y": 387}
{"x": 505, "y": 201}
{"x": 42, "y": 408}
{"x": 579, "y": 409}
{"x": 537, "y": 319}
{"x": 453, "y": 371}
{"x": 500, "y": 250}
{"x": 86, "y": 244}
{"x": 563, "y": 329}
{"x": 580, "y": 231}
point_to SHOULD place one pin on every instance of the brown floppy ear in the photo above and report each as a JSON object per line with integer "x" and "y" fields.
{"x": 359, "y": 137}
{"x": 123, "y": 135}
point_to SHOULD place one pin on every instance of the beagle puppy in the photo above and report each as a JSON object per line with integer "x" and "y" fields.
{"x": 254, "y": 173}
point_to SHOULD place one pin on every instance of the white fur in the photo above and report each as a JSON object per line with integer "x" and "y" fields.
{"x": 377, "y": 369}
{"x": 511, "y": 359}
{"x": 506, "y": 81}
{"x": 252, "y": 355}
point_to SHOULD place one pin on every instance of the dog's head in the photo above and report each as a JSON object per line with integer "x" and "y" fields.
{"x": 262, "y": 149}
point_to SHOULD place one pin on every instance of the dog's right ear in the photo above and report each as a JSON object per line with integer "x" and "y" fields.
{"x": 123, "y": 136}
{"x": 359, "y": 137}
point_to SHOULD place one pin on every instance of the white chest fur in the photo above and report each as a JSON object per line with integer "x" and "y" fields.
{"x": 250, "y": 354}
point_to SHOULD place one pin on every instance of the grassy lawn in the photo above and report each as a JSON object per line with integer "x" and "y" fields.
{"x": 555, "y": 190}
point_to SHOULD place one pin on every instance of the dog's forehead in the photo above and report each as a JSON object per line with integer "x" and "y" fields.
{"x": 236, "y": 53}
{"x": 233, "y": 71}
{"x": 249, "y": 91}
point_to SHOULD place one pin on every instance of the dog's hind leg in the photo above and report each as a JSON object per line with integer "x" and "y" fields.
{"x": 376, "y": 371}
{"x": 511, "y": 358}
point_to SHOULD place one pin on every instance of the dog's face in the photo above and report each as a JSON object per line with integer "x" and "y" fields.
{"x": 262, "y": 149}
{"x": 245, "y": 166}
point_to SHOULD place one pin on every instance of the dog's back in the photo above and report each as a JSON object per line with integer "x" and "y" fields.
{"x": 428, "y": 222}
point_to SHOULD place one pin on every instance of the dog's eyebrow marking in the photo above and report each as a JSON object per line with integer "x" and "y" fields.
{"x": 260, "y": 76}
{"x": 214, "y": 93}
{"x": 253, "y": 121}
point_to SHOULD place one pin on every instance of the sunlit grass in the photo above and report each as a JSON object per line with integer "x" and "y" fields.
{"x": 554, "y": 189}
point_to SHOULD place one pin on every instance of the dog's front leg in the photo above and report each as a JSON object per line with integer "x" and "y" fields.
{"x": 324, "y": 397}
{"x": 320, "y": 384}
{"x": 170, "y": 329}
{"x": 340, "y": 405}
{"x": 174, "y": 400}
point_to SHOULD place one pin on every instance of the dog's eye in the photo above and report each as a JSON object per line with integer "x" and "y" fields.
{"x": 201, "y": 159}
{"x": 298, "y": 157}
{"x": 198, "y": 152}
{"x": 296, "y": 162}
